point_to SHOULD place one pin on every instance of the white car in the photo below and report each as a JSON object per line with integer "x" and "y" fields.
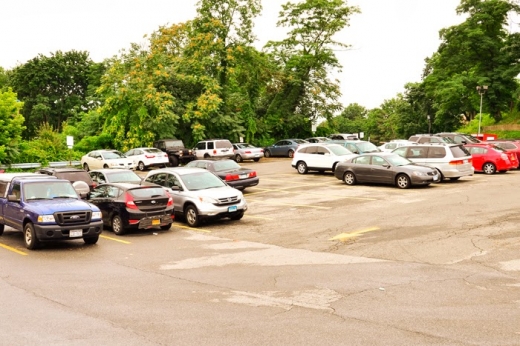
{"x": 98, "y": 159}
{"x": 199, "y": 194}
{"x": 319, "y": 157}
{"x": 147, "y": 157}
{"x": 395, "y": 143}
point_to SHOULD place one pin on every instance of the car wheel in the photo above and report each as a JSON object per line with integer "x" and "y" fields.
{"x": 141, "y": 166}
{"x": 105, "y": 166}
{"x": 174, "y": 161}
{"x": 237, "y": 216}
{"x": 290, "y": 153}
{"x": 349, "y": 178}
{"x": 267, "y": 153}
{"x": 489, "y": 168}
{"x": 91, "y": 240}
{"x": 2, "y": 229}
{"x": 402, "y": 181}
{"x": 238, "y": 158}
{"x": 85, "y": 167}
{"x": 454, "y": 178}
{"x": 192, "y": 216}
{"x": 30, "y": 238}
{"x": 301, "y": 167}
{"x": 117, "y": 225}
{"x": 207, "y": 156}
{"x": 257, "y": 159}
{"x": 166, "y": 227}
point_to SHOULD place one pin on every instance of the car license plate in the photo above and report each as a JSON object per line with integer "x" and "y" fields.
{"x": 156, "y": 222}
{"x": 232, "y": 208}
{"x": 242, "y": 176}
{"x": 465, "y": 160}
{"x": 75, "y": 233}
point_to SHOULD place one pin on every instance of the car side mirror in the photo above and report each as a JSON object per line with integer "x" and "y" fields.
{"x": 386, "y": 165}
{"x": 175, "y": 188}
{"x": 13, "y": 198}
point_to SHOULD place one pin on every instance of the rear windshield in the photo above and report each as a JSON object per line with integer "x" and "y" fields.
{"x": 119, "y": 177}
{"x": 152, "y": 150}
{"x": 223, "y": 144}
{"x": 147, "y": 192}
{"x": 459, "y": 151}
{"x": 75, "y": 176}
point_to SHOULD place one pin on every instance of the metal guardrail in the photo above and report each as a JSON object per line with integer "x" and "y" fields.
{"x": 39, "y": 165}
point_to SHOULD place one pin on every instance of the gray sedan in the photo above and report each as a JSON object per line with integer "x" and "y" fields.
{"x": 246, "y": 151}
{"x": 385, "y": 168}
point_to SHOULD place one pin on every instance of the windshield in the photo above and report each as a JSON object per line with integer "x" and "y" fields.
{"x": 367, "y": 147}
{"x": 49, "y": 190}
{"x": 201, "y": 181}
{"x": 225, "y": 165}
{"x": 396, "y": 160}
{"x": 111, "y": 155}
{"x": 245, "y": 145}
{"x": 339, "y": 150}
{"x": 119, "y": 177}
{"x": 174, "y": 143}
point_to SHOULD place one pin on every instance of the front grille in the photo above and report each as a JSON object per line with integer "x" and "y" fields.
{"x": 228, "y": 200}
{"x": 73, "y": 217}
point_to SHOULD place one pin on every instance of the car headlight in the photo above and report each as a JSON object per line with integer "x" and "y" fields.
{"x": 96, "y": 215}
{"x": 419, "y": 174}
{"x": 46, "y": 218}
{"x": 204, "y": 199}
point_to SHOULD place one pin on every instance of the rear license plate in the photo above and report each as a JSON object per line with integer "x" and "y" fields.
{"x": 466, "y": 161}
{"x": 232, "y": 208}
{"x": 75, "y": 233}
{"x": 242, "y": 176}
{"x": 156, "y": 222}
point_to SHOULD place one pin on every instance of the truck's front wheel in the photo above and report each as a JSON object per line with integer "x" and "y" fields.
{"x": 91, "y": 240}
{"x": 29, "y": 235}
{"x": 2, "y": 229}
{"x": 174, "y": 161}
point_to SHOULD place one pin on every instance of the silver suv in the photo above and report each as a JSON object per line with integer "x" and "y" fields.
{"x": 451, "y": 160}
{"x": 425, "y": 138}
{"x": 198, "y": 194}
{"x": 219, "y": 148}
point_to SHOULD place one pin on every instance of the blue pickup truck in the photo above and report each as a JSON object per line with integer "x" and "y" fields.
{"x": 45, "y": 208}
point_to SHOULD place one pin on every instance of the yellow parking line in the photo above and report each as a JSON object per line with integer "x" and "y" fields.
{"x": 345, "y": 236}
{"x": 258, "y": 217}
{"x": 13, "y": 249}
{"x": 294, "y": 205}
{"x": 193, "y": 228}
{"x": 115, "y": 239}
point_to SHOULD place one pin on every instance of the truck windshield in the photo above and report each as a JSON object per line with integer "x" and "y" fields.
{"x": 48, "y": 190}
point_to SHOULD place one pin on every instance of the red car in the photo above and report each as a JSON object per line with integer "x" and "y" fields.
{"x": 489, "y": 158}
{"x": 513, "y": 146}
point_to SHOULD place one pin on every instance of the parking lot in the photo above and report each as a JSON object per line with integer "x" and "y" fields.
{"x": 312, "y": 261}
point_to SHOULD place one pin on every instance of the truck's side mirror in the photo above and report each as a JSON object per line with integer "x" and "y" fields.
{"x": 13, "y": 198}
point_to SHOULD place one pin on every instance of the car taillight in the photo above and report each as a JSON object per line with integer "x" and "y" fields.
{"x": 129, "y": 201}
{"x": 170, "y": 200}
{"x": 149, "y": 156}
{"x": 457, "y": 162}
{"x": 261, "y": 150}
{"x": 504, "y": 156}
{"x": 252, "y": 174}
{"x": 230, "y": 177}
{"x": 248, "y": 151}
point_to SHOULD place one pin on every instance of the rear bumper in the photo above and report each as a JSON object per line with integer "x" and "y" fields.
{"x": 243, "y": 183}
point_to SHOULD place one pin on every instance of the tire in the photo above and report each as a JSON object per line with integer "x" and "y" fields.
{"x": 267, "y": 153}
{"x": 349, "y": 178}
{"x": 105, "y": 166}
{"x": 301, "y": 167}
{"x": 489, "y": 168}
{"x": 257, "y": 159}
{"x": 29, "y": 237}
{"x": 238, "y": 216}
{"x": 290, "y": 153}
{"x": 192, "y": 216}
{"x": 2, "y": 229}
{"x": 455, "y": 178}
{"x": 117, "y": 225}
{"x": 166, "y": 227}
{"x": 402, "y": 181}
{"x": 85, "y": 167}
{"x": 141, "y": 166}
{"x": 207, "y": 156}
{"x": 238, "y": 158}
{"x": 91, "y": 240}
{"x": 174, "y": 161}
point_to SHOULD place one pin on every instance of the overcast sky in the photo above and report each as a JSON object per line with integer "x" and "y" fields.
{"x": 390, "y": 38}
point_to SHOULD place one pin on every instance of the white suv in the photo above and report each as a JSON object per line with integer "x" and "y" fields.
{"x": 219, "y": 148}
{"x": 451, "y": 160}
{"x": 319, "y": 157}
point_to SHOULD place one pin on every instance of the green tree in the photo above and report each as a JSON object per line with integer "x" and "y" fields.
{"x": 52, "y": 88}
{"x": 11, "y": 125}
{"x": 304, "y": 90}
{"x": 4, "y": 78}
{"x": 479, "y": 51}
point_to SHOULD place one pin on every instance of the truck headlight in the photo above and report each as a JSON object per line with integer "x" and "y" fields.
{"x": 96, "y": 215}
{"x": 46, "y": 218}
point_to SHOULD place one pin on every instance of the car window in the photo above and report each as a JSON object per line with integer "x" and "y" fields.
{"x": 223, "y": 144}
{"x": 378, "y": 161}
{"x": 118, "y": 176}
{"x": 413, "y": 138}
{"x": 113, "y": 192}
{"x": 400, "y": 151}
{"x": 112, "y": 155}
{"x": 147, "y": 192}
{"x": 148, "y": 150}
{"x": 201, "y": 146}
{"x": 75, "y": 176}
{"x": 312, "y": 149}
{"x": 478, "y": 150}
{"x": 339, "y": 150}
{"x": 352, "y": 148}
{"x": 390, "y": 145}
{"x": 201, "y": 181}
{"x": 130, "y": 153}
{"x": 417, "y": 153}
{"x": 436, "y": 152}
{"x": 362, "y": 160}
{"x": 225, "y": 165}
{"x": 159, "y": 179}
{"x": 171, "y": 180}
{"x": 322, "y": 150}
{"x": 210, "y": 145}
{"x": 459, "y": 151}
{"x": 3, "y": 188}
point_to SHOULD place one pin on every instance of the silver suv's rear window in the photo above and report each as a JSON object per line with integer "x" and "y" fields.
{"x": 459, "y": 151}
{"x": 223, "y": 144}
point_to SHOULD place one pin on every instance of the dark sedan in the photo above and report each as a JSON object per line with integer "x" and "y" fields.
{"x": 129, "y": 206}
{"x": 229, "y": 171}
{"x": 385, "y": 168}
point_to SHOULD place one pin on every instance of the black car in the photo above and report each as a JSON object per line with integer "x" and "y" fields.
{"x": 229, "y": 171}
{"x": 127, "y": 206}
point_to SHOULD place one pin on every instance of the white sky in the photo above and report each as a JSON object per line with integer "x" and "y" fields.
{"x": 390, "y": 38}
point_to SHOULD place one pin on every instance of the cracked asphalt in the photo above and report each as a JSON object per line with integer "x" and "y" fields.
{"x": 313, "y": 262}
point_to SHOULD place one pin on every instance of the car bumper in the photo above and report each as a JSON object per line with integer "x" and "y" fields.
{"x": 57, "y": 232}
{"x": 243, "y": 183}
{"x": 210, "y": 210}
{"x": 251, "y": 156}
